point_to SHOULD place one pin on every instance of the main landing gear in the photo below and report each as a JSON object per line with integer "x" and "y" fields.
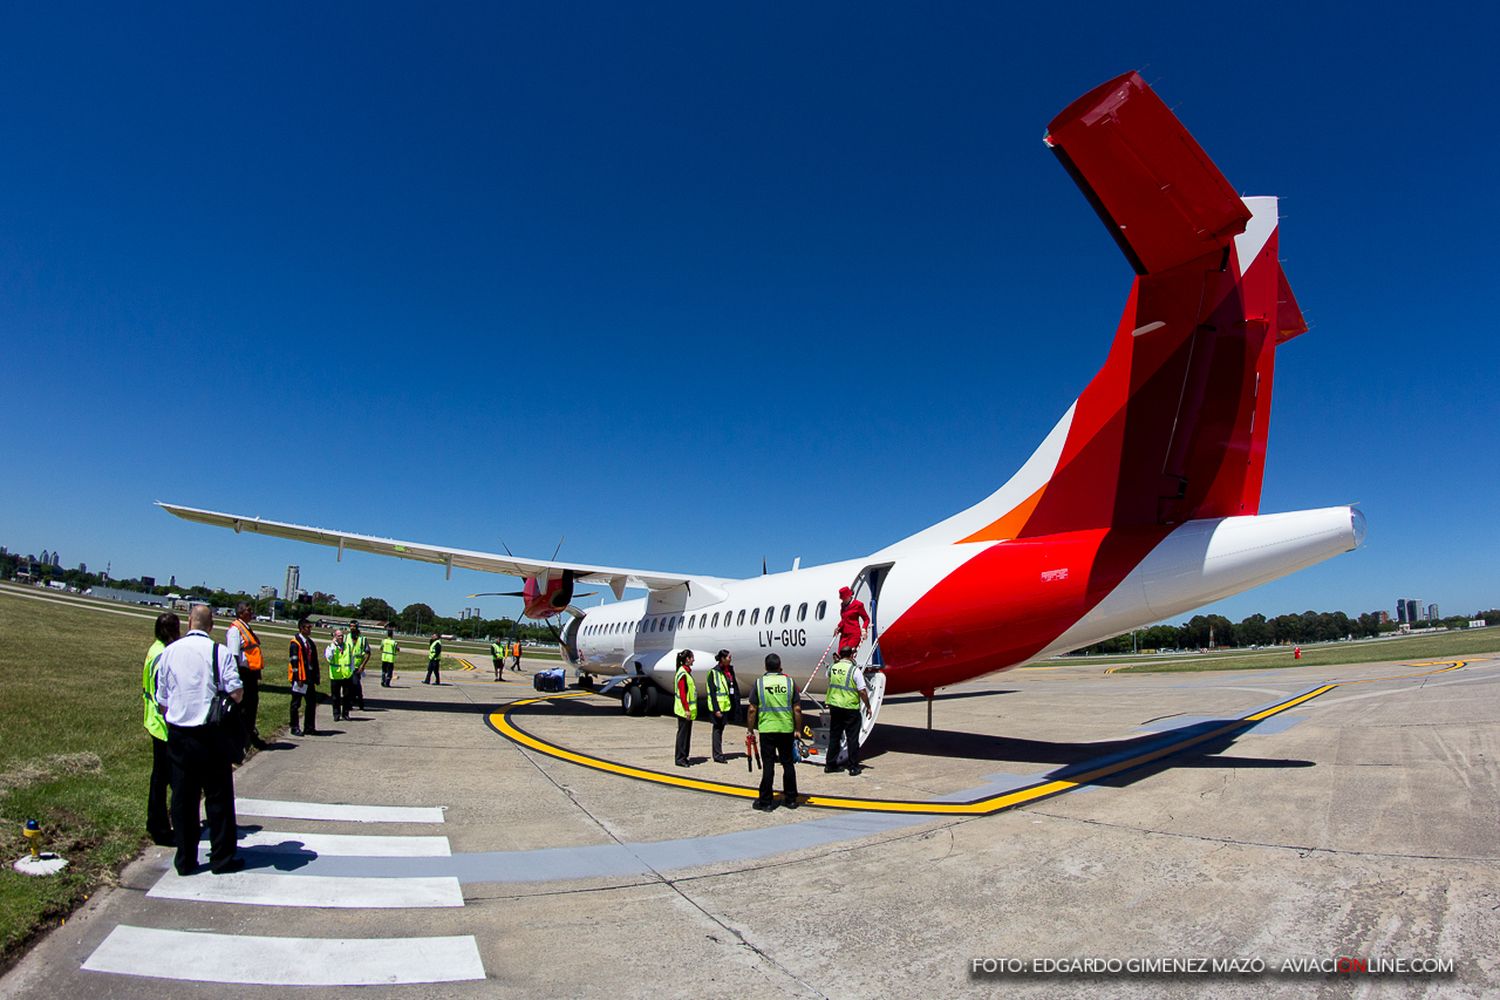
{"x": 641, "y": 697}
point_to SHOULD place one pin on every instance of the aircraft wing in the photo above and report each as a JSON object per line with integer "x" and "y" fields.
{"x": 618, "y": 578}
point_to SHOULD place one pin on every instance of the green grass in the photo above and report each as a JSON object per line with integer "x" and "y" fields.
{"x": 1441, "y": 645}
{"x": 74, "y": 755}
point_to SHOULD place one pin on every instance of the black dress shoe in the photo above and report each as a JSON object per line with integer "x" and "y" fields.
{"x": 258, "y": 743}
{"x": 683, "y": 763}
{"x": 189, "y": 870}
{"x": 296, "y": 732}
{"x": 721, "y": 759}
{"x": 760, "y": 806}
{"x": 164, "y": 839}
{"x": 830, "y": 769}
{"x": 793, "y": 803}
{"x": 855, "y": 770}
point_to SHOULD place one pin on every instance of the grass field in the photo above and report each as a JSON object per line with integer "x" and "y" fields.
{"x": 73, "y": 753}
{"x": 1440, "y": 645}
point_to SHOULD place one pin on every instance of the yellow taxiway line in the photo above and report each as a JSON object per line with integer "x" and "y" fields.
{"x": 501, "y": 721}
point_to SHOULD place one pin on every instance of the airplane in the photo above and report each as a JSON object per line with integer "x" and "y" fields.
{"x": 1142, "y": 503}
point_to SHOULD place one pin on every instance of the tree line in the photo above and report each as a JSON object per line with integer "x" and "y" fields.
{"x": 414, "y": 618}
{"x": 1198, "y": 632}
{"x": 1216, "y": 631}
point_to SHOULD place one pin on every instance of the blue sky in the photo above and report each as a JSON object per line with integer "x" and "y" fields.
{"x": 646, "y": 276}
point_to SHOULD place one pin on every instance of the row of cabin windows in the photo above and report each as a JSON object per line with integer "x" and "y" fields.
{"x": 730, "y": 620}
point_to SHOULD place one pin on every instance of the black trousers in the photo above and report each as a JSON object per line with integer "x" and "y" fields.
{"x": 777, "y": 747}
{"x": 720, "y": 721}
{"x": 158, "y": 819}
{"x": 340, "y": 692}
{"x": 250, "y": 703}
{"x": 843, "y": 727}
{"x": 386, "y": 669}
{"x": 200, "y": 769}
{"x": 357, "y": 689}
{"x": 499, "y": 664}
{"x": 433, "y": 674}
{"x": 310, "y": 699}
{"x": 684, "y": 738}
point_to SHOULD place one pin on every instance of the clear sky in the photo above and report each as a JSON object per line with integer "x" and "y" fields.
{"x": 647, "y": 275}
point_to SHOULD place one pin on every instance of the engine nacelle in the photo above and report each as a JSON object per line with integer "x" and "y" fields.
{"x": 547, "y": 596}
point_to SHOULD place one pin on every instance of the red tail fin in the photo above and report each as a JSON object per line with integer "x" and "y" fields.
{"x": 1174, "y": 426}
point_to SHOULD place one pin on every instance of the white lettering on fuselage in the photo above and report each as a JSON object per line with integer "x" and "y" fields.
{"x": 786, "y": 637}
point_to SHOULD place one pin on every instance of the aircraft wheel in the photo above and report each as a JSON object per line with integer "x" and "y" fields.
{"x": 655, "y": 700}
{"x": 631, "y": 702}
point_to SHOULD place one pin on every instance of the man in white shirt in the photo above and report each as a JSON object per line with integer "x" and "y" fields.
{"x": 185, "y": 686}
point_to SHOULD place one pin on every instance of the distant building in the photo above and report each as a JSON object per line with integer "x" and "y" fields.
{"x": 1383, "y": 617}
{"x": 268, "y": 593}
{"x": 46, "y": 559}
{"x": 56, "y": 561}
{"x": 293, "y": 583}
{"x": 1413, "y": 611}
{"x": 148, "y": 582}
{"x": 1432, "y": 612}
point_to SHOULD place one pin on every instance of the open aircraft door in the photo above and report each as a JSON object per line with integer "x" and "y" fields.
{"x": 866, "y": 588}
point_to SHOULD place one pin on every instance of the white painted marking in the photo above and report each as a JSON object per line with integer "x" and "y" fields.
{"x": 328, "y": 810}
{"x": 256, "y": 888}
{"x": 1263, "y": 217}
{"x": 342, "y": 845}
{"x": 276, "y": 961}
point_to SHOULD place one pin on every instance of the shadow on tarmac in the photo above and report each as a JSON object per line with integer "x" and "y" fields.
{"x": 1073, "y": 758}
{"x": 1078, "y": 758}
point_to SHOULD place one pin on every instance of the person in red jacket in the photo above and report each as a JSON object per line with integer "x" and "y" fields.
{"x": 853, "y": 620}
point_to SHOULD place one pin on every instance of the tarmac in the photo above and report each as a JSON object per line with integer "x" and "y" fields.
{"x": 419, "y": 851}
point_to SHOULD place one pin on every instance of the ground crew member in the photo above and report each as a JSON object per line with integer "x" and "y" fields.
{"x": 684, "y": 705}
{"x": 359, "y": 655}
{"x": 775, "y": 715}
{"x": 340, "y": 671}
{"x": 497, "y": 657}
{"x": 515, "y": 650}
{"x": 189, "y": 673}
{"x": 245, "y": 648}
{"x": 434, "y": 654}
{"x": 158, "y": 819}
{"x": 723, "y": 699}
{"x": 303, "y": 675}
{"x": 846, "y": 692}
{"x": 853, "y": 619}
{"x": 388, "y": 651}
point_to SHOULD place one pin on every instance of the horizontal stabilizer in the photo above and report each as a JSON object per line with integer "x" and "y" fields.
{"x": 1154, "y": 187}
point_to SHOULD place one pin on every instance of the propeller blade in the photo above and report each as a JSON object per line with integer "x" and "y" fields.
{"x": 501, "y": 593}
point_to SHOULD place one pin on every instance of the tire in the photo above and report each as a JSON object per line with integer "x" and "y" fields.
{"x": 631, "y": 702}
{"x": 654, "y": 698}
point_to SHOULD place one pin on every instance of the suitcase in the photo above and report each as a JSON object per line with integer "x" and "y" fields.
{"x": 550, "y": 681}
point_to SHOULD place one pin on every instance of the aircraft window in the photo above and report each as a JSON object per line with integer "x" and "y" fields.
{"x": 770, "y": 615}
{"x": 740, "y": 619}
{"x": 715, "y": 621}
{"x": 802, "y": 612}
{"x": 822, "y": 609}
{"x": 754, "y": 615}
{"x": 786, "y": 612}
{"x": 671, "y": 624}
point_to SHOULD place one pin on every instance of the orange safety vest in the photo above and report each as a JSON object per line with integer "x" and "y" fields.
{"x": 249, "y": 646}
{"x": 296, "y": 668}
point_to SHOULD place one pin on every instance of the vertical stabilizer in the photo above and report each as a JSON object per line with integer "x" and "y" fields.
{"x": 1174, "y": 426}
